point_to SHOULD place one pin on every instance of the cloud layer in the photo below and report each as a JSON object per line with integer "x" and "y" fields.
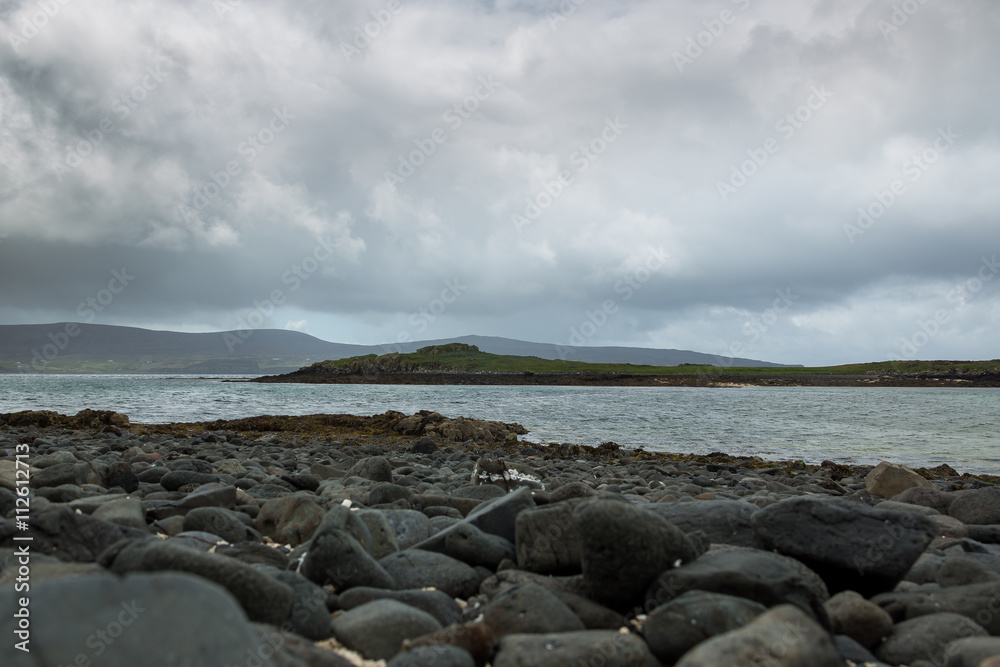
{"x": 802, "y": 182}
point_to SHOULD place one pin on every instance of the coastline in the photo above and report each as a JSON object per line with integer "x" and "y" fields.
{"x": 720, "y": 380}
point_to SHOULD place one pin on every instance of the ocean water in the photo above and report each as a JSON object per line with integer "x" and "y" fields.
{"x": 918, "y": 427}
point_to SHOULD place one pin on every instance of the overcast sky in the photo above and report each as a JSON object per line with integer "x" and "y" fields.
{"x": 666, "y": 173}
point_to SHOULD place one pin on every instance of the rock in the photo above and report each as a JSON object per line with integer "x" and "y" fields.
{"x": 254, "y": 553}
{"x": 126, "y": 512}
{"x": 375, "y": 468}
{"x": 479, "y": 492}
{"x": 529, "y": 608}
{"x": 210, "y": 494}
{"x": 861, "y": 620}
{"x": 381, "y": 531}
{"x": 947, "y": 526}
{"x": 414, "y": 568}
{"x": 175, "y": 479}
{"x": 476, "y": 639}
{"x": 165, "y": 618}
{"x": 433, "y": 656}
{"x": 423, "y": 446}
{"x": 9, "y": 474}
{"x": 309, "y": 616}
{"x": 932, "y": 497}
{"x": 855, "y": 652}
{"x": 337, "y": 558}
{"x": 969, "y": 601}
{"x": 959, "y": 571}
{"x": 410, "y": 527}
{"x": 498, "y": 517}
{"x": 781, "y": 637}
{"x": 377, "y": 629}
{"x": 504, "y": 579}
{"x": 386, "y": 494}
{"x": 851, "y": 546}
{"x": 61, "y": 532}
{"x": 768, "y": 578}
{"x": 290, "y": 520}
{"x": 572, "y": 490}
{"x": 471, "y": 545}
{"x": 79, "y": 473}
{"x": 972, "y": 651}
{"x": 675, "y": 628}
{"x": 593, "y": 616}
{"x": 925, "y": 638}
{"x": 547, "y": 540}
{"x": 977, "y": 507}
{"x": 121, "y": 475}
{"x": 227, "y": 524}
{"x": 608, "y": 648}
{"x": 890, "y": 479}
{"x": 435, "y": 603}
{"x": 723, "y": 521}
{"x": 264, "y": 599}
{"x": 623, "y": 549}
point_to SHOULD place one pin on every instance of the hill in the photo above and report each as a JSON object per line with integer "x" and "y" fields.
{"x": 97, "y": 348}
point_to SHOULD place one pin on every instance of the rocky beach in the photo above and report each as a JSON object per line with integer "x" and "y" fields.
{"x": 420, "y": 540}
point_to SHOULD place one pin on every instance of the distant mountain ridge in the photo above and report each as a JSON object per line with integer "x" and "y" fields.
{"x": 100, "y": 348}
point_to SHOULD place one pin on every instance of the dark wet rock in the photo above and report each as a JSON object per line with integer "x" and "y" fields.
{"x": 126, "y": 512}
{"x": 851, "y": 650}
{"x": 722, "y": 521}
{"x": 851, "y": 546}
{"x": 254, "y": 553}
{"x": 985, "y": 534}
{"x": 146, "y": 619}
{"x": 61, "y": 532}
{"x": 977, "y": 507}
{"x": 572, "y": 490}
{"x": 375, "y": 468}
{"x": 969, "y": 601}
{"x": 862, "y": 620}
{"x": 623, "y": 549}
{"x": 309, "y": 616}
{"x": 437, "y": 604}
{"x": 290, "y": 520}
{"x": 529, "y": 608}
{"x": 494, "y": 585}
{"x": 175, "y": 479}
{"x": 377, "y": 629}
{"x": 932, "y": 497}
{"x": 961, "y": 571}
{"x": 497, "y": 517}
{"x": 423, "y": 446}
{"x": 121, "y": 475}
{"x": 471, "y": 545}
{"x": 673, "y": 629}
{"x": 571, "y": 649}
{"x": 433, "y": 656}
{"x": 783, "y": 637}
{"x": 925, "y": 638}
{"x": 971, "y": 651}
{"x": 474, "y": 638}
{"x": 415, "y": 568}
{"x": 768, "y": 578}
{"x": 383, "y": 536}
{"x": 78, "y": 473}
{"x": 385, "y": 494}
{"x": 593, "y": 616}
{"x": 410, "y": 527}
{"x": 227, "y": 524}
{"x": 336, "y": 557}
{"x": 547, "y": 540}
{"x": 264, "y": 599}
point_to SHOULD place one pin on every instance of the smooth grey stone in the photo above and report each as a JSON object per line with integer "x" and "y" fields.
{"x": 433, "y": 656}
{"x": 377, "y": 629}
{"x": 572, "y": 649}
{"x": 673, "y": 629}
{"x": 529, "y": 609}
{"x": 723, "y": 521}
{"x": 967, "y": 600}
{"x": 227, "y": 524}
{"x": 437, "y": 604}
{"x": 925, "y": 638}
{"x": 414, "y": 568}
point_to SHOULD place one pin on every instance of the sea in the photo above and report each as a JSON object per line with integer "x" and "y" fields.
{"x": 920, "y": 427}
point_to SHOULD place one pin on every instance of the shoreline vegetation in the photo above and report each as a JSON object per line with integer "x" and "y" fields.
{"x": 461, "y": 364}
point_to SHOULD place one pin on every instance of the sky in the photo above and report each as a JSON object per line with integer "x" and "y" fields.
{"x": 798, "y": 181}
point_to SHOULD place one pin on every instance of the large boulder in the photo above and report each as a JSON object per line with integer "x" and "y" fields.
{"x": 160, "y": 619}
{"x": 926, "y": 638}
{"x": 377, "y": 629}
{"x": 781, "y": 637}
{"x": 59, "y": 531}
{"x": 978, "y": 507}
{"x": 547, "y": 539}
{"x": 852, "y": 546}
{"x": 887, "y": 480}
{"x": 290, "y": 520}
{"x": 608, "y": 648}
{"x": 722, "y": 521}
{"x": 675, "y": 628}
{"x": 623, "y": 549}
{"x": 969, "y": 601}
